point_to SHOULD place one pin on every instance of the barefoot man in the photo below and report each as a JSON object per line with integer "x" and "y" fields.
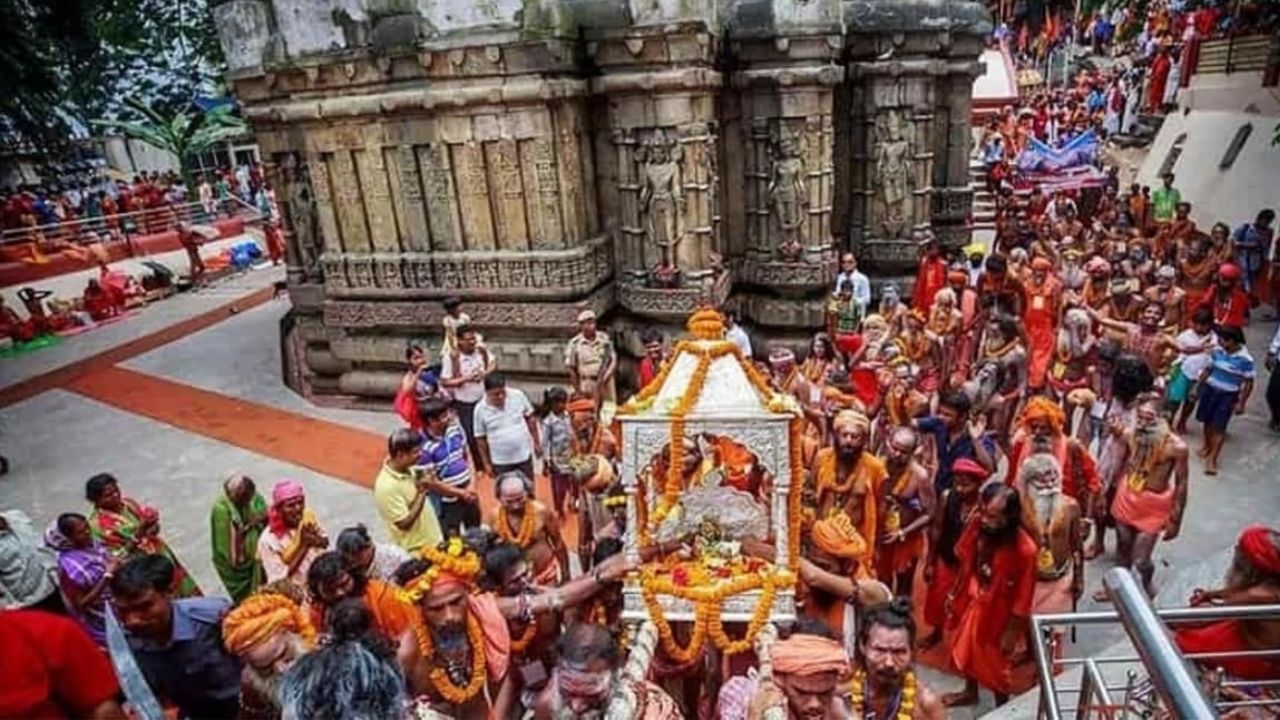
{"x": 531, "y": 525}
{"x": 1055, "y": 522}
{"x": 906, "y": 507}
{"x": 1151, "y": 491}
{"x": 849, "y": 477}
{"x": 959, "y": 503}
{"x": 1041, "y": 429}
{"x": 991, "y": 599}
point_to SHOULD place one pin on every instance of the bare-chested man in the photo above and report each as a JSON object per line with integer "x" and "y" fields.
{"x": 593, "y": 449}
{"x": 848, "y": 478}
{"x": 1170, "y": 297}
{"x": 531, "y": 525}
{"x": 1151, "y": 490}
{"x": 1145, "y": 338}
{"x": 1056, "y": 523}
{"x": 1003, "y": 345}
{"x": 924, "y": 350}
{"x": 906, "y": 507}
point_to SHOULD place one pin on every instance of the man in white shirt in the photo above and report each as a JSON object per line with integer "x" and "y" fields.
{"x": 506, "y": 429}
{"x": 462, "y": 375}
{"x": 736, "y": 335}
{"x": 861, "y": 283}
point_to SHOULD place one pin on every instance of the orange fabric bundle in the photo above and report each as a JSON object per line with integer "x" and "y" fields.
{"x": 261, "y": 616}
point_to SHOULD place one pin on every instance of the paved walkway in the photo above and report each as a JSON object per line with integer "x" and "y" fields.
{"x": 175, "y": 398}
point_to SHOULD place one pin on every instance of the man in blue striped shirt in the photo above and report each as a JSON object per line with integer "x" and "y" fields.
{"x": 1224, "y": 389}
{"x": 445, "y": 452}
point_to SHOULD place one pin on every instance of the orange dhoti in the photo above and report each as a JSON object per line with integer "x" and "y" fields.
{"x": 975, "y": 647}
{"x": 935, "y": 599}
{"x": 1054, "y": 596}
{"x": 896, "y": 558}
{"x": 1148, "y": 512}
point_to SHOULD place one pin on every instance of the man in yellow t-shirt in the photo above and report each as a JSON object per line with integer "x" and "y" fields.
{"x": 402, "y": 496}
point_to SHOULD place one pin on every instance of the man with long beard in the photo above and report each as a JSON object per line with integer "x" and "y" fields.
{"x": 907, "y": 506}
{"x": 1252, "y": 579}
{"x": 886, "y": 685}
{"x": 1076, "y": 357}
{"x": 588, "y": 675}
{"x": 593, "y": 449}
{"x": 268, "y": 631}
{"x": 1003, "y": 346}
{"x": 848, "y": 478}
{"x": 990, "y": 601}
{"x": 531, "y": 525}
{"x": 1151, "y": 491}
{"x": 1056, "y": 523}
{"x": 1041, "y": 429}
{"x": 1122, "y": 383}
{"x": 456, "y": 654}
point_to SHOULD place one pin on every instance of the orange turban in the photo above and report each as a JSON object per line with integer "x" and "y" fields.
{"x": 808, "y": 655}
{"x": 958, "y": 276}
{"x": 261, "y": 616}
{"x": 1041, "y": 264}
{"x": 1042, "y": 409}
{"x": 852, "y": 419}
{"x": 582, "y": 404}
{"x": 836, "y": 536}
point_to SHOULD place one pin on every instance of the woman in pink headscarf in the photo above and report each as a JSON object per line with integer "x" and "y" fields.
{"x": 293, "y": 538}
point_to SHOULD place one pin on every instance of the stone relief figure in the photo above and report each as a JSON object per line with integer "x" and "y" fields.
{"x": 661, "y": 201}
{"x": 892, "y": 172}
{"x": 301, "y": 201}
{"x": 788, "y": 193}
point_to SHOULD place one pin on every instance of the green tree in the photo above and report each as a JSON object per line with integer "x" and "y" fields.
{"x": 186, "y": 133}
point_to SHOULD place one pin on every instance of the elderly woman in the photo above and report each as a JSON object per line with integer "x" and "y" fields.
{"x": 127, "y": 529}
{"x": 84, "y": 572}
{"x": 236, "y": 521}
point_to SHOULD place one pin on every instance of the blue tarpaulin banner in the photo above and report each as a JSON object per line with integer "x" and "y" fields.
{"x": 1041, "y": 157}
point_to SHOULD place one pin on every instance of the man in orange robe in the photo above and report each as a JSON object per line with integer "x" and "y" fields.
{"x": 990, "y": 602}
{"x": 849, "y": 477}
{"x": 1041, "y": 429}
{"x": 930, "y": 276}
{"x": 1044, "y": 299}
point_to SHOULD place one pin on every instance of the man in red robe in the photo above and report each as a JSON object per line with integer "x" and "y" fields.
{"x": 1159, "y": 76}
{"x": 990, "y": 602}
{"x": 1229, "y": 303}
{"x": 931, "y": 275}
{"x": 1040, "y": 317}
{"x": 1041, "y": 429}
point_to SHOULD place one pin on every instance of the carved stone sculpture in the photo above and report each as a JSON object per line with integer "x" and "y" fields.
{"x": 892, "y": 173}
{"x": 660, "y": 199}
{"x": 301, "y": 201}
{"x": 788, "y": 194}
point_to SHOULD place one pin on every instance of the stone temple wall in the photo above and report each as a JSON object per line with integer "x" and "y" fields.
{"x": 636, "y": 157}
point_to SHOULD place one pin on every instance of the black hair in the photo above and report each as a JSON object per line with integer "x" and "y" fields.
{"x": 1202, "y": 316}
{"x": 1230, "y": 333}
{"x": 95, "y": 486}
{"x": 402, "y": 441}
{"x": 413, "y": 347}
{"x": 326, "y": 568}
{"x": 498, "y": 561}
{"x": 353, "y": 539}
{"x": 894, "y": 615}
{"x": 452, "y": 303}
{"x": 605, "y": 548}
{"x": 432, "y": 409}
{"x": 814, "y": 627}
{"x": 585, "y": 642}
{"x": 997, "y": 264}
{"x": 409, "y": 570}
{"x": 479, "y": 539}
{"x": 65, "y": 520}
{"x": 650, "y": 335}
{"x": 465, "y": 329}
{"x": 1130, "y": 378}
{"x": 1012, "y": 501}
{"x": 1266, "y": 216}
{"x": 494, "y": 381}
{"x": 551, "y": 396}
{"x": 957, "y": 400}
{"x": 142, "y": 573}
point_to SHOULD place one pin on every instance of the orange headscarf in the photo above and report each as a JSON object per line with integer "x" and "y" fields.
{"x": 1042, "y": 409}
{"x": 808, "y": 655}
{"x": 581, "y": 405}
{"x": 261, "y": 616}
{"x": 836, "y": 536}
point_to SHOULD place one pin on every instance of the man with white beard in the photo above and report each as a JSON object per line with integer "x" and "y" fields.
{"x": 1054, "y": 520}
{"x": 268, "y": 631}
{"x": 586, "y": 679}
{"x": 1151, "y": 490}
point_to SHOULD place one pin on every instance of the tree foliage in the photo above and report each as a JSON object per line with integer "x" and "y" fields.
{"x": 186, "y": 133}
{"x": 67, "y": 61}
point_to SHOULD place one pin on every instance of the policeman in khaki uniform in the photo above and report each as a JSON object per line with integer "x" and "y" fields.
{"x": 591, "y": 360}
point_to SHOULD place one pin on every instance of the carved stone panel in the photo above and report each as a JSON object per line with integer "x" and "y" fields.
{"x": 442, "y": 205}
{"x": 473, "y": 195}
{"x": 348, "y": 203}
{"x": 503, "y": 161}
{"x": 406, "y": 193}
{"x": 376, "y": 194}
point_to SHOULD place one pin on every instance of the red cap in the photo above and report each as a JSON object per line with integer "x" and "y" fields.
{"x": 1229, "y": 271}
{"x": 965, "y": 466}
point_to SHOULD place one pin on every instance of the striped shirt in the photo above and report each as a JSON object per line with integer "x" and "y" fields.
{"x": 1229, "y": 371}
{"x": 447, "y": 457}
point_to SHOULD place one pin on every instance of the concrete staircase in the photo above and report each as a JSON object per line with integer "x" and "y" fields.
{"x": 984, "y": 202}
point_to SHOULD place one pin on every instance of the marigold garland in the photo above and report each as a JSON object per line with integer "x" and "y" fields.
{"x": 795, "y": 499}
{"x": 524, "y": 538}
{"x": 520, "y": 644}
{"x": 454, "y": 560}
{"x": 759, "y": 617}
{"x": 707, "y": 601}
{"x": 440, "y": 680}
{"x": 906, "y": 709}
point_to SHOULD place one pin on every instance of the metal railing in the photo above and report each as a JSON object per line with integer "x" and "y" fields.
{"x": 1160, "y": 680}
{"x": 119, "y": 227}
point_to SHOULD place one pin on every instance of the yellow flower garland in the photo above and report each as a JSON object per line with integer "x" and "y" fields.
{"x": 525, "y": 536}
{"x": 758, "y": 618}
{"x": 906, "y": 707}
{"x": 440, "y": 680}
{"x": 454, "y": 560}
{"x": 707, "y": 601}
{"x": 519, "y": 645}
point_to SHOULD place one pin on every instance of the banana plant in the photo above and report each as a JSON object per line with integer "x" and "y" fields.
{"x": 186, "y": 134}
